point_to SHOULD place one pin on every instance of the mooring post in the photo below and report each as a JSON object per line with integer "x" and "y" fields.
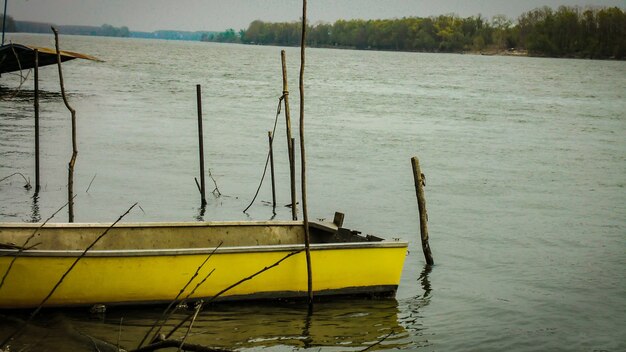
{"x": 421, "y": 205}
{"x": 290, "y": 140}
{"x": 271, "y": 140}
{"x": 36, "y": 78}
{"x": 292, "y": 172}
{"x": 201, "y": 143}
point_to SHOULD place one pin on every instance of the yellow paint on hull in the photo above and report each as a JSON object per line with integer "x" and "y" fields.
{"x": 132, "y": 279}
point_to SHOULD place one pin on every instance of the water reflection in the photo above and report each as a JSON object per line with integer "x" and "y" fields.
{"x": 22, "y": 95}
{"x": 343, "y": 324}
{"x": 201, "y": 212}
{"x": 411, "y": 317}
{"x": 424, "y": 281}
{"x": 35, "y": 216}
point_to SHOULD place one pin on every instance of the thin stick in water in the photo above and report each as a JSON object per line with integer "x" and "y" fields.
{"x": 303, "y": 158}
{"x": 271, "y": 140}
{"x": 70, "y": 174}
{"x": 290, "y": 140}
{"x": 201, "y": 144}
{"x": 36, "y": 107}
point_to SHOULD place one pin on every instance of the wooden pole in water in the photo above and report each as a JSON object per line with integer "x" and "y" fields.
{"x": 421, "y": 205}
{"x": 201, "y": 144}
{"x": 292, "y": 167}
{"x": 70, "y": 174}
{"x": 36, "y": 78}
{"x": 271, "y": 140}
{"x": 303, "y": 159}
{"x": 292, "y": 172}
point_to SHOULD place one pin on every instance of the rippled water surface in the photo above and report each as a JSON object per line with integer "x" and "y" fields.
{"x": 525, "y": 164}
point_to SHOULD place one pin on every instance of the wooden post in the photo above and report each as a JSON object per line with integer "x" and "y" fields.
{"x": 292, "y": 173}
{"x": 421, "y": 204}
{"x": 290, "y": 140}
{"x": 305, "y": 215}
{"x": 201, "y": 144}
{"x": 271, "y": 140}
{"x": 37, "y": 183}
{"x": 70, "y": 173}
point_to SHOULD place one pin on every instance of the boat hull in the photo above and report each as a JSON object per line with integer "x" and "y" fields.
{"x": 155, "y": 276}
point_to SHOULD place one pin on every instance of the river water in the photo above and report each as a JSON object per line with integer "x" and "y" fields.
{"x": 524, "y": 158}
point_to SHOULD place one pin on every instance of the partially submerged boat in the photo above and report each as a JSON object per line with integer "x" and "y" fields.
{"x": 143, "y": 263}
{"x": 18, "y": 57}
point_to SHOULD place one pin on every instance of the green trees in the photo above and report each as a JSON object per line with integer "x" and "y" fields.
{"x": 109, "y": 31}
{"x": 447, "y": 33}
{"x": 573, "y": 32}
{"x": 566, "y": 32}
{"x": 10, "y": 26}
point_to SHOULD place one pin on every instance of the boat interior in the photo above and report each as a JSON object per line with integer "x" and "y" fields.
{"x": 127, "y": 236}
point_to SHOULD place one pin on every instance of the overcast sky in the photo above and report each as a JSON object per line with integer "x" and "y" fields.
{"x": 218, "y": 15}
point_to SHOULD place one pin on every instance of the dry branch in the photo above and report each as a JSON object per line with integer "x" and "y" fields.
{"x": 167, "y": 313}
{"x": 378, "y": 342}
{"x": 235, "y": 285}
{"x": 32, "y": 315}
{"x": 27, "y": 185}
{"x": 193, "y": 319}
{"x": 23, "y": 247}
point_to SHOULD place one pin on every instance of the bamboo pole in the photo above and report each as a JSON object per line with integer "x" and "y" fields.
{"x": 421, "y": 204}
{"x": 70, "y": 174}
{"x": 271, "y": 140}
{"x": 201, "y": 144}
{"x": 36, "y": 78}
{"x": 292, "y": 168}
{"x": 303, "y": 158}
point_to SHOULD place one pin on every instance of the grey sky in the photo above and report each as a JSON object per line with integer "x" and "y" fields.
{"x": 194, "y": 15}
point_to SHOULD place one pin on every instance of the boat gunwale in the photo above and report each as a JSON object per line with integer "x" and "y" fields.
{"x": 162, "y": 224}
{"x": 196, "y": 251}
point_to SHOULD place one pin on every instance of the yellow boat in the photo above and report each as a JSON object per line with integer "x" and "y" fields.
{"x": 139, "y": 263}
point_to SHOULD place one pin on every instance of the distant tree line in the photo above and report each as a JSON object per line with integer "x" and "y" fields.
{"x": 41, "y": 27}
{"x": 228, "y": 36}
{"x": 572, "y": 32}
{"x": 566, "y": 32}
{"x": 10, "y": 27}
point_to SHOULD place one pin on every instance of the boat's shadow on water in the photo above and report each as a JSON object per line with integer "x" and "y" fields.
{"x": 346, "y": 324}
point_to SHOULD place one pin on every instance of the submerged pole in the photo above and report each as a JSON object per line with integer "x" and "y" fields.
{"x": 292, "y": 167}
{"x": 303, "y": 159}
{"x": 201, "y": 144}
{"x": 36, "y": 78}
{"x": 421, "y": 205}
{"x": 271, "y": 140}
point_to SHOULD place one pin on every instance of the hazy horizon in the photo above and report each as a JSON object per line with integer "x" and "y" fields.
{"x": 219, "y": 15}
